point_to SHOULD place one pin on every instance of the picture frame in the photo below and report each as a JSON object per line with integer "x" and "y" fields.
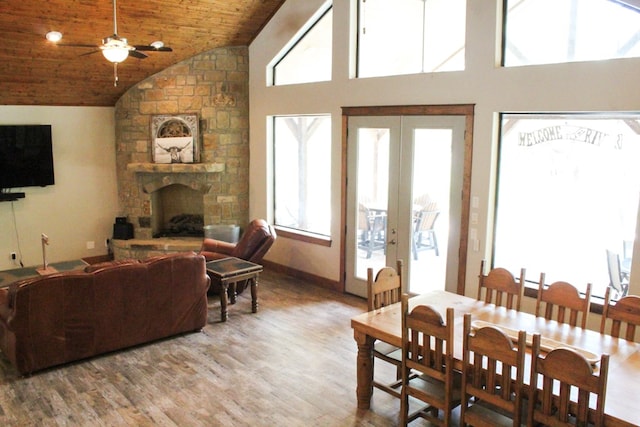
{"x": 174, "y": 138}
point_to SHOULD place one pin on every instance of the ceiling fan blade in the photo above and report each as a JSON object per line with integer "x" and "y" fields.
{"x": 90, "y": 53}
{"x": 149, "y": 48}
{"x": 76, "y": 45}
{"x": 137, "y": 54}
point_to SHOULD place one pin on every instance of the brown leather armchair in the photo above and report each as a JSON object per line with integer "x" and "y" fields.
{"x": 252, "y": 246}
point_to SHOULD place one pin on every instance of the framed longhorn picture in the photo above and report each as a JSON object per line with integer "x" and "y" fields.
{"x": 174, "y": 139}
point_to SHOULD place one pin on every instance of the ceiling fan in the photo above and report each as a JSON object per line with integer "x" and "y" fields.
{"x": 116, "y": 49}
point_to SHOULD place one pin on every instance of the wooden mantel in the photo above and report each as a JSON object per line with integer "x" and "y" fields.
{"x": 175, "y": 167}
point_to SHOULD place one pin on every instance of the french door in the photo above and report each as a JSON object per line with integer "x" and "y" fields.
{"x": 404, "y": 186}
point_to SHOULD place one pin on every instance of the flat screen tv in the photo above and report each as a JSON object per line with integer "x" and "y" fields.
{"x": 26, "y": 156}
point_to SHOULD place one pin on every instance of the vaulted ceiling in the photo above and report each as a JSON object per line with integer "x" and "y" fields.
{"x": 34, "y": 71}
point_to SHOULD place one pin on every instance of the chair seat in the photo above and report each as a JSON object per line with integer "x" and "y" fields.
{"x": 433, "y": 387}
{"x": 386, "y": 350}
{"x": 484, "y": 414}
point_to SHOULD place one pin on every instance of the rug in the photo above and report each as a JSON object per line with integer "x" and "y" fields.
{"x": 7, "y": 277}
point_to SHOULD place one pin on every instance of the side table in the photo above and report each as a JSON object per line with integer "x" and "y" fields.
{"x": 229, "y": 271}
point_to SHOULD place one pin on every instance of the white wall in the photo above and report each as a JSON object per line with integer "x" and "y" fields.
{"x": 594, "y": 86}
{"x": 82, "y": 204}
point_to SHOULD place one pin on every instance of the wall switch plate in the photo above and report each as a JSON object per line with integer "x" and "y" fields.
{"x": 91, "y": 245}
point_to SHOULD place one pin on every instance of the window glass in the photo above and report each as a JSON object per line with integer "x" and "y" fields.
{"x": 410, "y": 36}
{"x": 568, "y": 189}
{"x": 557, "y": 31}
{"x": 309, "y": 60}
{"x": 302, "y": 173}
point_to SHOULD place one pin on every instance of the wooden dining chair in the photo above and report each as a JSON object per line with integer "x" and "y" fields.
{"x": 424, "y": 234}
{"x": 617, "y": 281}
{"x": 372, "y": 228}
{"x": 427, "y": 350}
{"x": 565, "y": 374}
{"x": 562, "y": 297}
{"x": 625, "y": 312}
{"x": 382, "y": 291}
{"x": 500, "y": 287}
{"x": 492, "y": 377}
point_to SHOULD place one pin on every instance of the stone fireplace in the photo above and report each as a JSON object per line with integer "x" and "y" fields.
{"x": 155, "y": 197}
{"x": 174, "y": 199}
{"x": 174, "y": 196}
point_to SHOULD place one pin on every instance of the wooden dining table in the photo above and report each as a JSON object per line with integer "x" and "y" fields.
{"x": 385, "y": 324}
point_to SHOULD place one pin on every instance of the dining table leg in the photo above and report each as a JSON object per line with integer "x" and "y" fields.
{"x": 364, "y": 369}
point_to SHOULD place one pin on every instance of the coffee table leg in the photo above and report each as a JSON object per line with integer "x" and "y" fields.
{"x": 223, "y": 301}
{"x": 232, "y": 293}
{"x": 254, "y": 295}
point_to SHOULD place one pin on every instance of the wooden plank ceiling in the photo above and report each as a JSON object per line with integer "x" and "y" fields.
{"x": 34, "y": 71}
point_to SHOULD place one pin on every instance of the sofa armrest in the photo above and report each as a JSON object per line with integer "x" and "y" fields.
{"x": 6, "y": 309}
{"x": 217, "y": 246}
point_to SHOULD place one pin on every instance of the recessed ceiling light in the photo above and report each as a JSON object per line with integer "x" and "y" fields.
{"x": 157, "y": 44}
{"x": 54, "y": 36}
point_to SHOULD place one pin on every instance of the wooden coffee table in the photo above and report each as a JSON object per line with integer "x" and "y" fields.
{"x": 229, "y": 271}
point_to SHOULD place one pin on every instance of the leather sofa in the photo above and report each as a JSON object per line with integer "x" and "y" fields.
{"x": 254, "y": 243}
{"x": 63, "y": 317}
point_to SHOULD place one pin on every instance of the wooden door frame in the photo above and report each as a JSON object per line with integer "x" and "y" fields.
{"x": 466, "y": 110}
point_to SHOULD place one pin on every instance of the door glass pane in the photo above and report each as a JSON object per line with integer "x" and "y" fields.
{"x": 430, "y": 196}
{"x": 372, "y": 195}
{"x": 568, "y": 193}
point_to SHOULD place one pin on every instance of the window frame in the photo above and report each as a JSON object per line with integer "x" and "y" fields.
{"x": 283, "y": 230}
{"x": 627, "y": 4}
{"x": 531, "y": 284}
{"x": 295, "y": 41}
{"x": 424, "y": 43}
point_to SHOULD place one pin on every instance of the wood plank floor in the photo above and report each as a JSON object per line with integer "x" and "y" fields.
{"x": 291, "y": 364}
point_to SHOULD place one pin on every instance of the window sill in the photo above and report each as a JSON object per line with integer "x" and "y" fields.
{"x": 302, "y": 236}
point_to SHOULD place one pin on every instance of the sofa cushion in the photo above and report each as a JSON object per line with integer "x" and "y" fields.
{"x": 95, "y": 267}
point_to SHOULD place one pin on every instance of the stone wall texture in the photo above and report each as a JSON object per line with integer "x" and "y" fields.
{"x": 214, "y": 85}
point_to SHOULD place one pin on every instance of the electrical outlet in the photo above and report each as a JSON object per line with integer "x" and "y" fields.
{"x": 91, "y": 245}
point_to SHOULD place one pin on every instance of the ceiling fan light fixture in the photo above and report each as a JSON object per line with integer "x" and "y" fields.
{"x": 54, "y": 36}
{"x": 115, "y": 49}
{"x": 115, "y": 54}
{"x": 157, "y": 44}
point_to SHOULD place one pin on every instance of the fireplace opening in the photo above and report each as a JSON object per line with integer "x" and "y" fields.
{"x": 177, "y": 211}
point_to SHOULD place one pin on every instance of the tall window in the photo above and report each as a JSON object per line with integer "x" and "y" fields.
{"x": 568, "y": 190}
{"x": 557, "y": 31}
{"x": 309, "y": 57}
{"x": 410, "y": 36}
{"x": 302, "y": 172}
